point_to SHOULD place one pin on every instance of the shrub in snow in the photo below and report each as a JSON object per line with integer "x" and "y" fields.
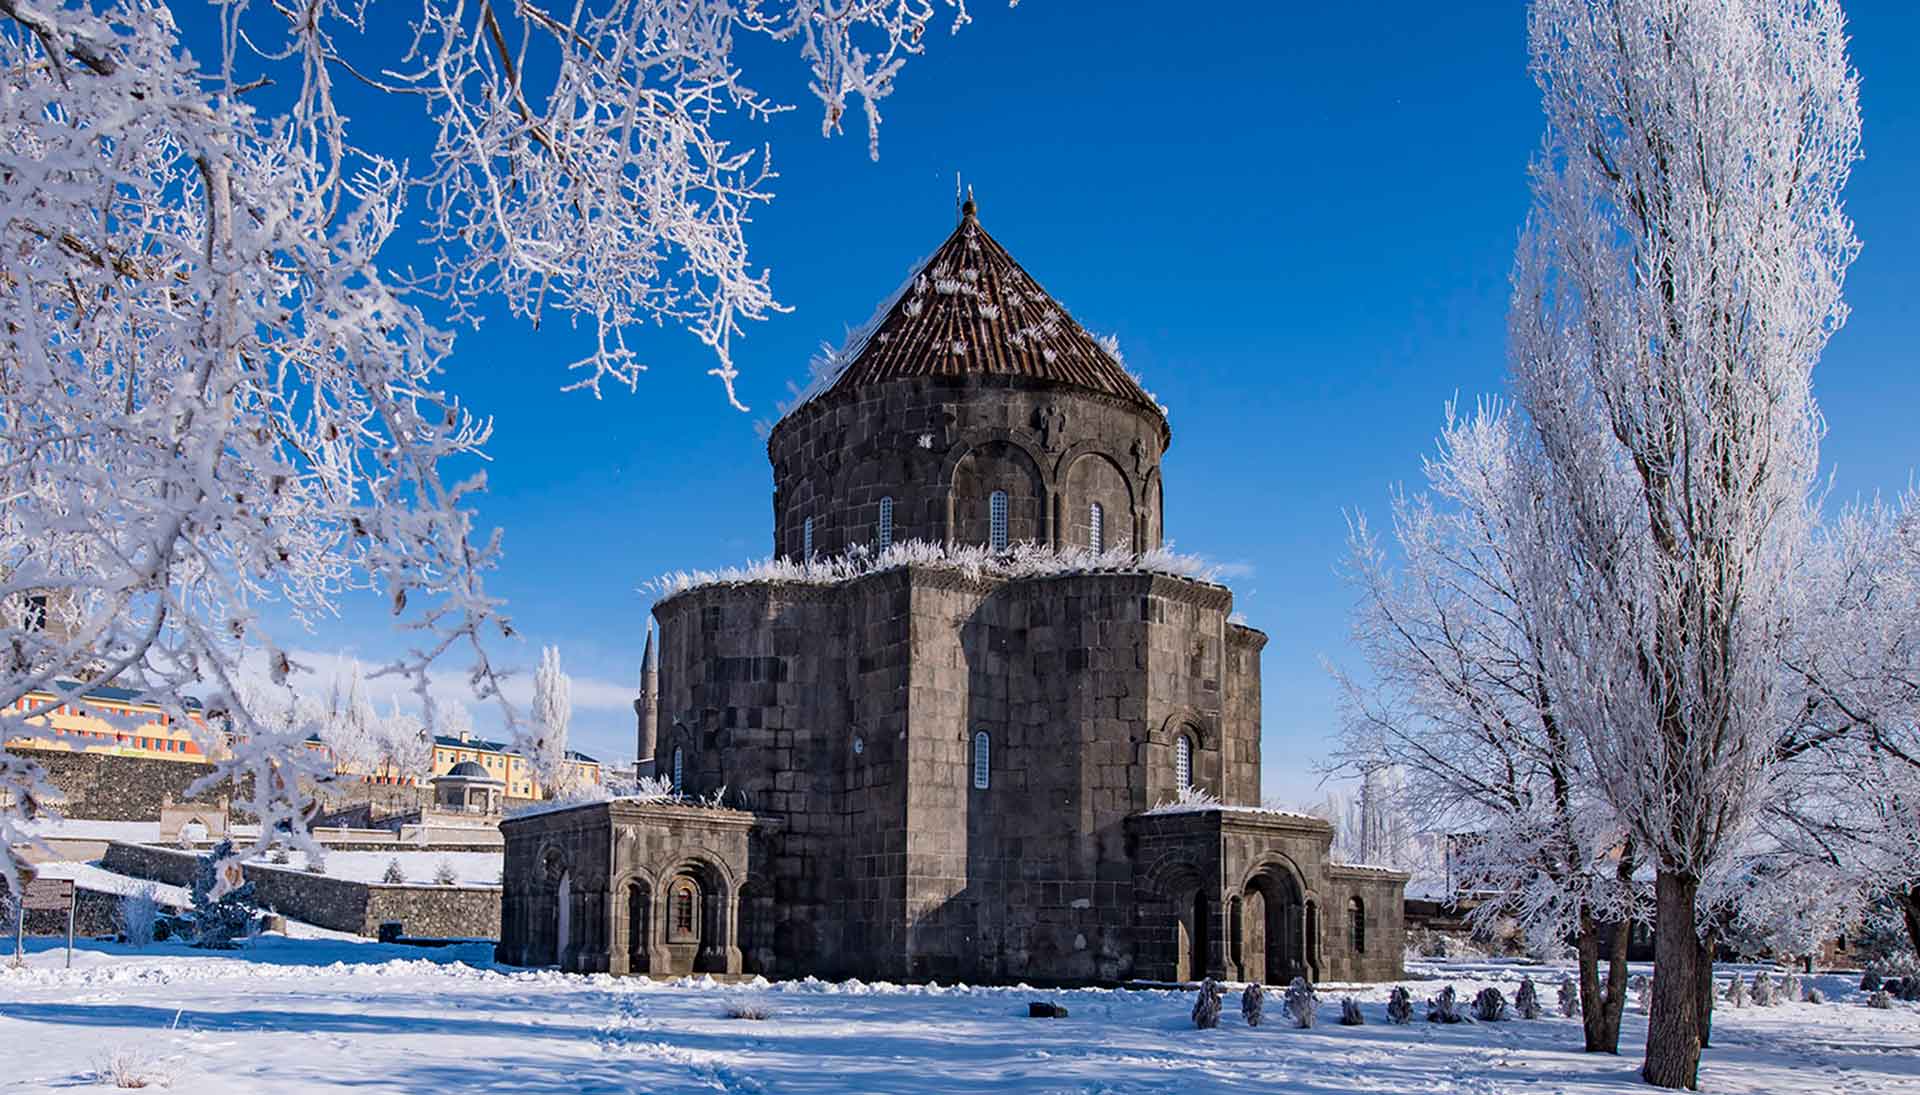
{"x": 443, "y": 873}
{"x": 1790, "y": 990}
{"x": 1910, "y": 989}
{"x": 393, "y": 874}
{"x": 129, "y": 1068}
{"x": 1737, "y": 992}
{"x": 747, "y": 1011}
{"x": 1445, "y": 1008}
{"x": 1642, "y": 988}
{"x": 1302, "y": 1002}
{"x": 1879, "y": 999}
{"x": 280, "y": 855}
{"x": 1399, "y": 1005}
{"x": 1350, "y": 1012}
{"x": 1569, "y": 998}
{"x": 1206, "y": 1009}
{"x": 1490, "y": 1006}
{"x": 1526, "y": 1002}
{"x": 222, "y": 899}
{"x": 138, "y": 913}
{"x": 1869, "y": 981}
{"x": 1251, "y": 1003}
{"x": 1762, "y": 990}
{"x": 1814, "y": 996}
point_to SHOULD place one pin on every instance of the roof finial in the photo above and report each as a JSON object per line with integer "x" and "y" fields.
{"x": 968, "y": 210}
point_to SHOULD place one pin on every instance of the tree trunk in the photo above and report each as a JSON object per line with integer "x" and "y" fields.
{"x": 1708, "y": 944}
{"x": 1673, "y": 1022}
{"x": 1600, "y": 1007}
{"x": 1910, "y": 909}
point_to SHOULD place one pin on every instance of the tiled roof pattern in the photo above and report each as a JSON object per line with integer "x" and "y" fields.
{"x": 972, "y": 309}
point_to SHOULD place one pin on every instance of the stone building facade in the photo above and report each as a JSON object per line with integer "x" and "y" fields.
{"x": 958, "y": 771}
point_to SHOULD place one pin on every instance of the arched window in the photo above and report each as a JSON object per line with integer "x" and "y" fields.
{"x": 884, "y": 538}
{"x": 1096, "y": 527}
{"x": 997, "y": 517}
{"x": 679, "y": 770}
{"x": 1357, "y": 920}
{"x": 806, "y": 539}
{"x": 683, "y": 912}
{"x": 1182, "y": 762}
{"x": 982, "y": 760}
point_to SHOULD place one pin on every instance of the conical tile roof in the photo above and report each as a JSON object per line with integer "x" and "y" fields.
{"x": 972, "y": 309}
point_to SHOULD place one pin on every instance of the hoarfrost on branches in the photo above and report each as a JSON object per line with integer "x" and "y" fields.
{"x": 1021, "y": 560}
{"x": 551, "y": 715}
{"x": 219, "y": 397}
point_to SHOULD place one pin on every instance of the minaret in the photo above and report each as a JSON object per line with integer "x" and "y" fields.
{"x": 647, "y": 708}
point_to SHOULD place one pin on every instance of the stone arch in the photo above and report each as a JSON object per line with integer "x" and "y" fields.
{"x": 1176, "y": 919}
{"x": 632, "y": 925}
{"x": 1274, "y": 940}
{"x": 975, "y": 471}
{"x": 1090, "y": 476}
{"x": 697, "y": 907}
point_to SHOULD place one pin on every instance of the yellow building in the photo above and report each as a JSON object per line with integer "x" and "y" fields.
{"x": 499, "y": 760}
{"x": 111, "y": 721}
{"x": 502, "y": 763}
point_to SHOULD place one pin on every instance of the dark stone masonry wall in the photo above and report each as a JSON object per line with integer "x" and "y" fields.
{"x": 471, "y": 912}
{"x": 940, "y": 446}
{"x": 105, "y": 787}
{"x": 850, "y": 713}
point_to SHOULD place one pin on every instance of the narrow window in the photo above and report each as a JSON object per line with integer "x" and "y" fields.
{"x": 1357, "y": 913}
{"x": 981, "y": 766}
{"x": 679, "y": 770}
{"x": 1096, "y": 527}
{"x": 683, "y": 902}
{"x": 885, "y": 537}
{"x": 1183, "y": 762}
{"x": 997, "y": 516}
{"x": 806, "y": 539}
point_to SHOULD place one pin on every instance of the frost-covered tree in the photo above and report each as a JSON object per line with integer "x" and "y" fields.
{"x": 223, "y": 907}
{"x": 1681, "y": 275}
{"x": 393, "y": 875}
{"x": 552, "y": 712}
{"x": 137, "y": 913}
{"x": 1466, "y": 641}
{"x": 222, "y": 406}
{"x": 1253, "y": 1001}
{"x": 1444, "y": 1007}
{"x": 1350, "y": 1013}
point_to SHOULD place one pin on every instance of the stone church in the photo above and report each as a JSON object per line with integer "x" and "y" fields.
{"x": 944, "y": 771}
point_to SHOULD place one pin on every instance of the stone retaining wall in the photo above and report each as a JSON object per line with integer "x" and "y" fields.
{"x": 105, "y": 787}
{"x": 467, "y": 912}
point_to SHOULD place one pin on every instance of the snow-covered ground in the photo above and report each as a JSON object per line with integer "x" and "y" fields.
{"x": 470, "y": 868}
{"x": 324, "y": 1014}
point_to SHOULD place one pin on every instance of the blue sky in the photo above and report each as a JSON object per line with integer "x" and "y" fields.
{"x": 1297, "y": 220}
